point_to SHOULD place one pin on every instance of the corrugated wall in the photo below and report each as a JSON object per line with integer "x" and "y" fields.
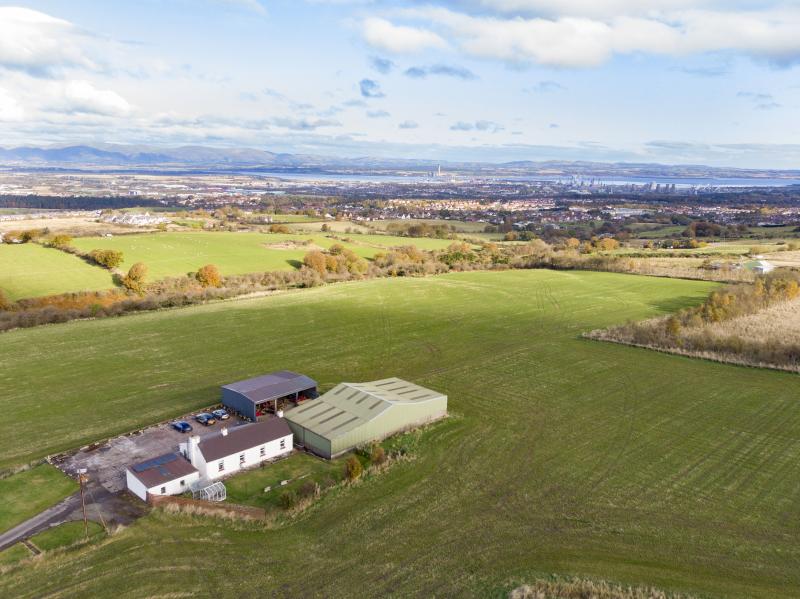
{"x": 239, "y": 403}
{"x": 398, "y": 418}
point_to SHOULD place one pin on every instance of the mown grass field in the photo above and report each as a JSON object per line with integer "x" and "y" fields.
{"x": 175, "y": 254}
{"x": 561, "y": 455}
{"x": 30, "y": 270}
{"x": 66, "y": 534}
{"x": 25, "y": 494}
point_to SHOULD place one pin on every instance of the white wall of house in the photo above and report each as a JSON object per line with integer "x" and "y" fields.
{"x": 244, "y": 459}
{"x": 135, "y": 486}
{"x": 173, "y": 487}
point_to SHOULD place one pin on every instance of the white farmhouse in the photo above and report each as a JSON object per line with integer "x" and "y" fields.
{"x": 231, "y": 450}
{"x": 169, "y": 474}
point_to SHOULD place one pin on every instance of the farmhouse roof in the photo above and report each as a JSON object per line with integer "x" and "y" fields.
{"x": 163, "y": 469}
{"x": 349, "y": 405}
{"x": 272, "y": 386}
{"x": 241, "y": 438}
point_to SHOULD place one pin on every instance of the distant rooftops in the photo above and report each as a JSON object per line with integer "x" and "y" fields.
{"x": 242, "y": 438}
{"x": 272, "y": 386}
{"x": 160, "y": 470}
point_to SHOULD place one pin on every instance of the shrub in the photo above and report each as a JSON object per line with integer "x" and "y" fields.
{"x": 106, "y": 258}
{"x": 4, "y": 303}
{"x": 309, "y": 489}
{"x": 208, "y": 276}
{"x": 378, "y": 455}
{"x": 279, "y": 229}
{"x": 316, "y": 261}
{"x": 353, "y": 468}
{"x": 135, "y": 279}
{"x": 60, "y": 241}
{"x": 288, "y": 500}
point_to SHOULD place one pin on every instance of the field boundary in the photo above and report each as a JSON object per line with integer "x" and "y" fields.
{"x": 698, "y": 355}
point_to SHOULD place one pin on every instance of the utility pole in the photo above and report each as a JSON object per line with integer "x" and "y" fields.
{"x": 82, "y": 479}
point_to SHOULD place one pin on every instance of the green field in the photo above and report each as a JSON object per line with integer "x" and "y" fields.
{"x": 30, "y": 270}
{"x": 561, "y": 455}
{"x": 66, "y": 534}
{"x": 14, "y": 554}
{"x": 175, "y": 254}
{"x": 27, "y": 493}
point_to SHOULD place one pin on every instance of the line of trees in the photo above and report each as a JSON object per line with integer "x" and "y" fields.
{"x": 136, "y": 293}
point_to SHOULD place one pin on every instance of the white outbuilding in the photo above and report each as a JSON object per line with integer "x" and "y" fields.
{"x": 231, "y": 450}
{"x": 169, "y": 474}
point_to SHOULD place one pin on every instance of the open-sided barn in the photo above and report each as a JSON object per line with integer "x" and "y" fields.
{"x": 248, "y": 397}
{"x": 353, "y": 414}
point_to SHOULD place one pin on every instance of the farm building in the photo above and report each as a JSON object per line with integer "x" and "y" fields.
{"x": 250, "y": 397}
{"x": 169, "y": 474}
{"x": 244, "y": 446}
{"x": 353, "y": 414}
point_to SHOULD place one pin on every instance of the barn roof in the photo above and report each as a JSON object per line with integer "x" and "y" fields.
{"x": 272, "y": 386}
{"x": 163, "y": 469}
{"x": 241, "y": 438}
{"x": 349, "y": 405}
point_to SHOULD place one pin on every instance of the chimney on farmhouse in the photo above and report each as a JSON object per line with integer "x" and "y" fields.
{"x": 191, "y": 448}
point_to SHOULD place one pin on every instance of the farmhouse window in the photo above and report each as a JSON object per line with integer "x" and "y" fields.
{"x": 283, "y": 443}
{"x": 221, "y": 465}
{"x": 163, "y": 490}
{"x": 241, "y": 459}
{"x": 263, "y": 450}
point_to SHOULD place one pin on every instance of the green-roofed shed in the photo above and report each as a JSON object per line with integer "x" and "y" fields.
{"x": 353, "y": 414}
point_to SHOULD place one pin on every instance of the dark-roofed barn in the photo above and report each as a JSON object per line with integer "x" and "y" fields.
{"x": 251, "y": 396}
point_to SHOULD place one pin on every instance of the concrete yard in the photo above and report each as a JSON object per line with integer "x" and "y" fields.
{"x": 106, "y": 463}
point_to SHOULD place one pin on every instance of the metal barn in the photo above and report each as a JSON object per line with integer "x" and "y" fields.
{"x": 251, "y": 396}
{"x": 353, "y": 414}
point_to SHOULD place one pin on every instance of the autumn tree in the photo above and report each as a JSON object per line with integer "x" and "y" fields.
{"x": 107, "y": 258}
{"x": 607, "y": 244}
{"x": 315, "y": 260}
{"x": 277, "y": 228}
{"x": 61, "y": 241}
{"x": 208, "y": 276}
{"x": 135, "y": 279}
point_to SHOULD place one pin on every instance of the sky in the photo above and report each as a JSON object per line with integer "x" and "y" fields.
{"x": 673, "y": 81}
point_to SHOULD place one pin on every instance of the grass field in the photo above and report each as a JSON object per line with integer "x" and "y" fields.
{"x": 174, "y": 254}
{"x": 248, "y": 488}
{"x": 30, "y": 270}
{"x": 14, "y": 554}
{"x": 561, "y": 455}
{"x": 66, "y": 534}
{"x": 27, "y": 493}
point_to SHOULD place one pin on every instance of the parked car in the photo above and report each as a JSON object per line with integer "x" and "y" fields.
{"x": 182, "y": 426}
{"x": 220, "y": 414}
{"x": 205, "y": 419}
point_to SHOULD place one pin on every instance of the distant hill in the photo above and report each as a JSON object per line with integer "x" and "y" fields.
{"x": 107, "y": 156}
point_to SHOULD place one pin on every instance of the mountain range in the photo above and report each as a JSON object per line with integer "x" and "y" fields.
{"x": 118, "y": 156}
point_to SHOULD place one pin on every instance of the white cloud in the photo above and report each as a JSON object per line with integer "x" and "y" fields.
{"x": 577, "y": 41}
{"x": 380, "y": 33}
{"x": 593, "y": 8}
{"x": 82, "y": 97}
{"x": 37, "y": 43}
{"x": 10, "y": 109}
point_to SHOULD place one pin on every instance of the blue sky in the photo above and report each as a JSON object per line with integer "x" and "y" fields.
{"x": 675, "y": 81}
